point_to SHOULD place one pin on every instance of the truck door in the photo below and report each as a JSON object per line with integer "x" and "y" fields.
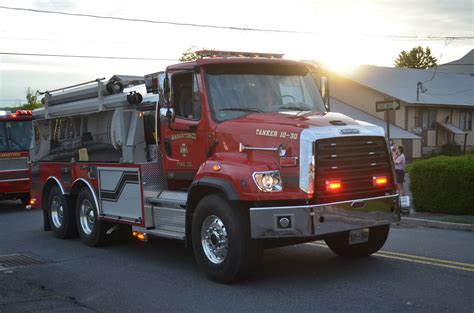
{"x": 183, "y": 143}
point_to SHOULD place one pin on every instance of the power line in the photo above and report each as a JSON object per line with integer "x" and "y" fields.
{"x": 154, "y": 21}
{"x": 84, "y": 56}
{"x": 268, "y": 30}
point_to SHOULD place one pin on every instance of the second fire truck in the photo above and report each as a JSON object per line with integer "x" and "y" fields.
{"x": 230, "y": 153}
{"x": 15, "y": 140}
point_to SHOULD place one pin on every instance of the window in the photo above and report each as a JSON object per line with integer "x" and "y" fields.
{"x": 426, "y": 118}
{"x": 465, "y": 120}
{"x": 15, "y": 135}
{"x": 236, "y": 90}
{"x": 291, "y": 91}
{"x": 186, "y": 96}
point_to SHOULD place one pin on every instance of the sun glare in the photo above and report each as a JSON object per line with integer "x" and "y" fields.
{"x": 340, "y": 45}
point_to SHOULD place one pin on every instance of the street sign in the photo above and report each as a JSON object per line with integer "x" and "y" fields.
{"x": 390, "y": 105}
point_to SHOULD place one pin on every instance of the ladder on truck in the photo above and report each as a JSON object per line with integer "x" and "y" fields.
{"x": 120, "y": 91}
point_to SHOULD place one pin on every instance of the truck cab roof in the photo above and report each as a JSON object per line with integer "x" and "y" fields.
{"x": 232, "y": 60}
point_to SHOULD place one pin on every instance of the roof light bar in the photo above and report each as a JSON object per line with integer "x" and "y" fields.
{"x": 237, "y": 54}
{"x": 23, "y": 112}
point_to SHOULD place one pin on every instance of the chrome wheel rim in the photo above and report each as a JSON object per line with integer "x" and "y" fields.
{"x": 214, "y": 239}
{"x": 57, "y": 212}
{"x": 87, "y": 217}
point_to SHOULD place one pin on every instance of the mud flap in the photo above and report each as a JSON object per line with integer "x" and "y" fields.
{"x": 46, "y": 224}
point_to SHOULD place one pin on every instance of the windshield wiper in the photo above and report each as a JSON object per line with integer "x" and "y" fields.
{"x": 13, "y": 141}
{"x": 242, "y": 109}
{"x": 295, "y": 108}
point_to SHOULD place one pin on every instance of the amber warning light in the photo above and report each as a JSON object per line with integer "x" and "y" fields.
{"x": 379, "y": 181}
{"x": 140, "y": 236}
{"x": 333, "y": 185}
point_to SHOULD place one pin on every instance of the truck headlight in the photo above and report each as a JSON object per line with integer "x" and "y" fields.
{"x": 268, "y": 181}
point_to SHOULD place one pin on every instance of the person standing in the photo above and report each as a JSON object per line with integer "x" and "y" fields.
{"x": 399, "y": 160}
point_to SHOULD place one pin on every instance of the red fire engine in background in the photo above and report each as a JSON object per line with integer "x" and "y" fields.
{"x": 231, "y": 153}
{"x": 15, "y": 140}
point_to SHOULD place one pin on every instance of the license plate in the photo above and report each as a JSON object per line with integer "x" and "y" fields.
{"x": 358, "y": 236}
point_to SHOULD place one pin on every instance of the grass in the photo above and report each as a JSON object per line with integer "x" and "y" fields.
{"x": 457, "y": 220}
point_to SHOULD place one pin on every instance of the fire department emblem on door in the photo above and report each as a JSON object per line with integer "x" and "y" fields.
{"x": 183, "y": 149}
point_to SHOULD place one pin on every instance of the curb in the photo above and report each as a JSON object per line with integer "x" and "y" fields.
{"x": 410, "y": 221}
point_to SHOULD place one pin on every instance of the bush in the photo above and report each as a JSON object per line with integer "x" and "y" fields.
{"x": 443, "y": 184}
{"x": 451, "y": 149}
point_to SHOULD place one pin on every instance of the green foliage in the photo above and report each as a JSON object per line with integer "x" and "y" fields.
{"x": 189, "y": 55}
{"x": 32, "y": 101}
{"x": 443, "y": 184}
{"x": 451, "y": 149}
{"x": 416, "y": 58}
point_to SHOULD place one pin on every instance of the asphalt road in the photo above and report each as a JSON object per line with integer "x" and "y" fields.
{"x": 418, "y": 270}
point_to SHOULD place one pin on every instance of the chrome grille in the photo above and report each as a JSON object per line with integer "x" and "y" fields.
{"x": 353, "y": 161}
{"x": 13, "y": 164}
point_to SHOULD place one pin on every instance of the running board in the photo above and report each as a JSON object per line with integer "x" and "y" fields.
{"x": 160, "y": 233}
{"x": 169, "y": 223}
{"x": 170, "y": 198}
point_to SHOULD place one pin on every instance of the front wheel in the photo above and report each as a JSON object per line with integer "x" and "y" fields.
{"x": 221, "y": 241}
{"x": 339, "y": 243}
{"x": 92, "y": 231}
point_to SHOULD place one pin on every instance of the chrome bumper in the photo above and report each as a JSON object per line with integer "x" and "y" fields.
{"x": 321, "y": 219}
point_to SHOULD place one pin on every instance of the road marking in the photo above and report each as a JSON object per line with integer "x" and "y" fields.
{"x": 415, "y": 259}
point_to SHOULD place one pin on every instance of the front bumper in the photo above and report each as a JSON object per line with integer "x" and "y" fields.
{"x": 322, "y": 219}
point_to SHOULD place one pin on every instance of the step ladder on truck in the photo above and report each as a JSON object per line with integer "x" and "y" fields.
{"x": 231, "y": 153}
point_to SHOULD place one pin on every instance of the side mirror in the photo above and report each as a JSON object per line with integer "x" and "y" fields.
{"x": 166, "y": 89}
{"x": 324, "y": 85}
{"x": 166, "y": 114}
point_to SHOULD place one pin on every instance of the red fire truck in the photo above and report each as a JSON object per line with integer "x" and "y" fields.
{"x": 231, "y": 153}
{"x": 15, "y": 140}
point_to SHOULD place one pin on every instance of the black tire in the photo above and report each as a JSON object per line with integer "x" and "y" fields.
{"x": 243, "y": 254}
{"x": 25, "y": 199}
{"x": 339, "y": 243}
{"x": 92, "y": 231}
{"x": 61, "y": 215}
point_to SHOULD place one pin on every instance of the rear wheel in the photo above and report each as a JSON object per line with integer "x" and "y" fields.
{"x": 339, "y": 243}
{"x": 221, "y": 241}
{"x": 61, "y": 216}
{"x": 91, "y": 229}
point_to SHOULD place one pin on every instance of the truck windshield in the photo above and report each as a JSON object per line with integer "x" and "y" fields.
{"x": 15, "y": 135}
{"x": 235, "y": 90}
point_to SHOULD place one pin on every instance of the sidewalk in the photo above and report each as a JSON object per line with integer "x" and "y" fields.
{"x": 436, "y": 220}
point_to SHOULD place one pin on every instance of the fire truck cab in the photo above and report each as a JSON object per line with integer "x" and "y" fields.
{"x": 15, "y": 140}
{"x": 231, "y": 153}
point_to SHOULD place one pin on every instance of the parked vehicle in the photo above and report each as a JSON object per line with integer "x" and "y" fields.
{"x": 231, "y": 153}
{"x": 15, "y": 140}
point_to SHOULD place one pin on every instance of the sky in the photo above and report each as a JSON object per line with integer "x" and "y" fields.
{"x": 341, "y": 33}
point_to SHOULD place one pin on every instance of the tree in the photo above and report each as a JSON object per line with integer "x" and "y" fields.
{"x": 416, "y": 58}
{"x": 189, "y": 55}
{"x": 32, "y": 101}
